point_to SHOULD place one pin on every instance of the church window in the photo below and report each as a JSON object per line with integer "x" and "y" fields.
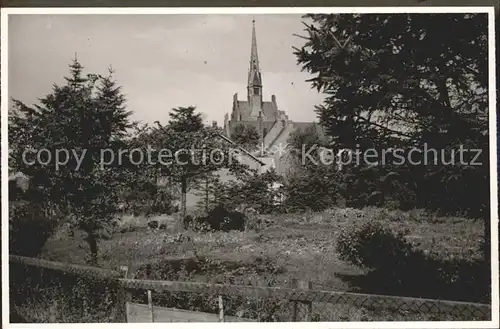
{"x": 256, "y": 91}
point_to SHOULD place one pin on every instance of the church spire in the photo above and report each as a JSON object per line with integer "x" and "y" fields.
{"x": 254, "y": 57}
{"x": 254, "y": 76}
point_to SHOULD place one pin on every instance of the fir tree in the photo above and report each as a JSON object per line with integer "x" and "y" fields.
{"x": 82, "y": 117}
{"x": 402, "y": 82}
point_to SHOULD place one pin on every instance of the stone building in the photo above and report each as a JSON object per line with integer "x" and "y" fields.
{"x": 273, "y": 125}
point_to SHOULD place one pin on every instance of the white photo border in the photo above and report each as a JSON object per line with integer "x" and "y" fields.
{"x": 494, "y": 323}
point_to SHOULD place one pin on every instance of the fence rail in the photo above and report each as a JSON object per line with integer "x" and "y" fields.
{"x": 82, "y": 270}
{"x": 298, "y": 296}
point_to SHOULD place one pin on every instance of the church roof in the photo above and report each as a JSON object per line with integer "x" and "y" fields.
{"x": 243, "y": 106}
{"x": 268, "y": 109}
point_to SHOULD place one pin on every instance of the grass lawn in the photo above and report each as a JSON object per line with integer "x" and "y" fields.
{"x": 300, "y": 246}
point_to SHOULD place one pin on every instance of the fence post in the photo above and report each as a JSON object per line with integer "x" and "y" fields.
{"x": 150, "y": 306}
{"x": 304, "y": 315}
{"x": 221, "y": 309}
{"x": 122, "y": 298}
{"x": 308, "y": 305}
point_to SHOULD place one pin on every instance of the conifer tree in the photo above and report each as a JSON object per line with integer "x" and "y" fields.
{"x": 194, "y": 151}
{"x": 402, "y": 81}
{"x": 82, "y": 117}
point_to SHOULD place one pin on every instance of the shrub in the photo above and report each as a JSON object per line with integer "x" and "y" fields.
{"x": 46, "y": 295}
{"x": 29, "y": 229}
{"x": 262, "y": 192}
{"x": 372, "y": 246}
{"x": 221, "y": 219}
{"x": 144, "y": 200}
{"x": 315, "y": 188}
{"x": 398, "y": 267}
{"x": 153, "y": 224}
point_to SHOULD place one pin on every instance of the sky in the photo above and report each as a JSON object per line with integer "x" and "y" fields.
{"x": 164, "y": 61}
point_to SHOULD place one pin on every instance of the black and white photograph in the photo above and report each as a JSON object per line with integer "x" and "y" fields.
{"x": 263, "y": 165}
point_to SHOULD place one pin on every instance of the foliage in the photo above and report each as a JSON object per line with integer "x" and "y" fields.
{"x": 184, "y": 152}
{"x": 308, "y": 140}
{"x": 314, "y": 190}
{"x": 246, "y": 137}
{"x": 402, "y": 82}
{"x": 29, "y": 229}
{"x": 43, "y": 295}
{"x": 208, "y": 189}
{"x": 148, "y": 199}
{"x": 31, "y": 222}
{"x": 83, "y": 117}
{"x": 262, "y": 309}
{"x": 402, "y": 269}
{"x": 185, "y": 119}
{"x": 373, "y": 246}
{"x": 310, "y": 184}
{"x": 258, "y": 191}
{"x": 221, "y": 219}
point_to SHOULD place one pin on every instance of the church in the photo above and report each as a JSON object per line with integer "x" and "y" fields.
{"x": 272, "y": 124}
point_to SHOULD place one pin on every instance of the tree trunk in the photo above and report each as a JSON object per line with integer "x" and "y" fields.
{"x": 206, "y": 194}
{"x": 92, "y": 241}
{"x": 183, "y": 201}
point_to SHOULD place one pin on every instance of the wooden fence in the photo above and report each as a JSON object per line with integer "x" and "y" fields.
{"x": 299, "y": 293}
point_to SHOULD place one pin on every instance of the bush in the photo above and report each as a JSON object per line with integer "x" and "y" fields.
{"x": 312, "y": 188}
{"x": 46, "y": 295}
{"x": 398, "y": 267}
{"x": 262, "y": 192}
{"x": 29, "y": 229}
{"x": 373, "y": 246}
{"x": 221, "y": 219}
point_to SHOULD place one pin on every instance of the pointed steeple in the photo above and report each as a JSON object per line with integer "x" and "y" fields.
{"x": 254, "y": 76}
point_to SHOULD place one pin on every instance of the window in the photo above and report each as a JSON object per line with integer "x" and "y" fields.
{"x": 256, "y": 91}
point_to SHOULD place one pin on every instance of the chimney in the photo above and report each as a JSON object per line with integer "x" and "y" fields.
{"x": 273, "y": 99}
{"x": 214, "y": 124}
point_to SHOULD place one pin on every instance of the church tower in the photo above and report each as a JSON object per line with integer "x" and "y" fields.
{"x": 254, "y": 87}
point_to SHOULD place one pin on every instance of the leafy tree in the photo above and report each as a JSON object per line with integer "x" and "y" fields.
{"x": 144, "y": 193}
{"x": 82, "y": 117}
{"x": 185, "y": 119}
{"x": 310, "y": 184}
{"x": 246, "y": 137}
{"x": 208, "y": 186}
{"x": 189, "y": 150}
{"x": 404, "y": 81}
{"x": 254, "y": 190}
